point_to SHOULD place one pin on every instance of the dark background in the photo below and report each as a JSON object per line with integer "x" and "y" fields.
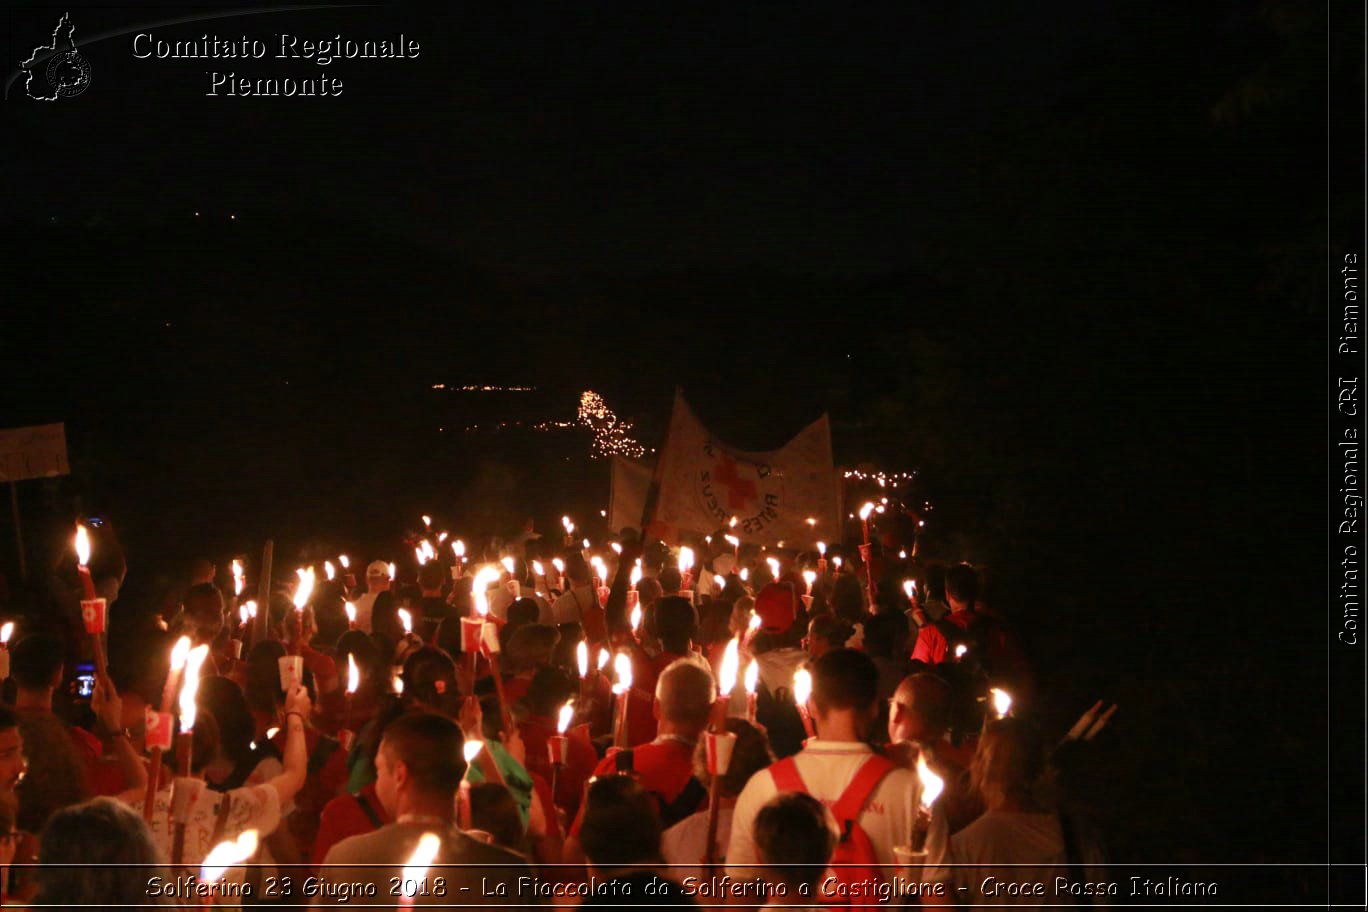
{"x": 1065, "y": 260}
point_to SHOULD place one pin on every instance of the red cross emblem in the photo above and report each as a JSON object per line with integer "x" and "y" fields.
{"x": 739, "y": 491}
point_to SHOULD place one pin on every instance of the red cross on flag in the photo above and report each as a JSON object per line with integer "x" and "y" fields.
{"x": 704, "y": 483}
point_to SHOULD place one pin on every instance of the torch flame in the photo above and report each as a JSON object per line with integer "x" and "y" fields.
{"x": 753, "y": 624}
{"x": 960, "y": 650}
{"x": 802, "y": 686}
{"x": 582, "y": 658}
{"x": 423, "y": 855}
{"x": 479, "y": 589}
{"x": 732, "y": 540}
{"x": 567, "y": 715}
{"x": 909, "y": 589}
{"x": 329, "y": 570}
{"x": 809, "y": 577}
{"x": 458, "y": 548}
{"x": 931, "y": 784}
{"x": 622, "y": 668}
{"x": 811, "y": 521}
{"x": 353, "y": 674}
{"x": 558, "y": 564}
{"x": 344, "y": 561}
{"x": 1002, "y": 701}
{"x": 635, "y": 576}
{"x": 6, "y": 632}
{"x": 585, "y": 544}
{"x": 304, "y": 590}
{"x": 732, "y": 523}
{"x": 397, "y": 684}
{"x": 538, "y": 569}
{"x": 350, "y": 608}
{"x": 603, "y": 657}
{"x": 82, "y": 545}
{"x": 569, "y": 526}
{"x": 226, "y": 854}
{"x": 243, "y": 615}
{"x": 427, "y": 522}
{"x": 421, "y": 555}
{"x": 599, "y": 567}
{"x": 471, "y": 749}
{"x": 836, "y": 562}
{"x": 821, "y": 548}
{"x": 726, "y": 672}
{"x": 509, "y": 565}
{"x": 686, "y": 559}
{"x": 866, "y": 510}
{"x": 193, "y": 661}
{"x": 390, "y": 568}
{"x": 774, "y": 566}
{"x": 251, "y": 607}
{"x": 407, "y": 620}
{"x": 752, "y": 676}
{"x": 442, "y": 536}
{"x": 238, "y": 582}
{"x": 617, "y": 548}
{"x": 180, "y": 652}
{"x": 636, "y": 618}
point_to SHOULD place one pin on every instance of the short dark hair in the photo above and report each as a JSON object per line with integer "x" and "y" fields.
{"x": 676, "y": 623}
{"x": 750, "y": 754}
{"x": 829, "y": 628}
{"x": 524, "y": 611}
{"x": 551, "y": 686}
{"x": 35, "y": 660}
{"x": 844, "y": 679}
{"x": 670, "y": 579}
{"x": 962, "y": 583}
{"x": 430, "y": 746}
{"x": 493, "y": 810}
{"x": 621, "y": 824}
{"x": 431, "y": 575}
{"x": 792, "y": 840}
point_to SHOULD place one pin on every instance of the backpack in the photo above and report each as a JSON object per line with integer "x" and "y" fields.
{"x": 854, "y": 860}
{"x": 686, "y": 803}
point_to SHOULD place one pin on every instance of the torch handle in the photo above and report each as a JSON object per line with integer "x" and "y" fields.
{"x": 153, "y": 777}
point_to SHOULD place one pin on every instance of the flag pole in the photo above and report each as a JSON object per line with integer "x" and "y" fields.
{"x": 263, "y": 619}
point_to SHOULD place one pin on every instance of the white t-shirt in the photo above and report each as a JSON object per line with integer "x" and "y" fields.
{"x": 255, "y": 807}
{"x": 570, "y": 607}
{"x": 365, "y": 607}
{"x": 827, "y": 767}
{"x": 684, "y": 845}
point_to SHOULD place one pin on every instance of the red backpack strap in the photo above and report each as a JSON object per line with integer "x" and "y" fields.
{"x": 867, "y": 778}
{"x": 786, "y": 777}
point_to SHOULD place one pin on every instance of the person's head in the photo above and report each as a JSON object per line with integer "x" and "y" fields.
{"x": 750, "y": 754}
{"x": 223, "y": 699}
{"x": 825, "y": 633}
{"x": 377, "y": 576}
{"x": 430, "y": 680}
{"x": 203, "y": 612}
{"x": 577, "y": 570}
{"x": 493, "y": 810}
{"x": 205, "y": 743}
{"x": 793, "y": 841}
{"x": 1008, "y": 763}
{"x": 676, "y": 624}
{"x": 370, "y": 660}
{"x": 847, "y": 598}
{"x": 621, "y": 825}
{"x": 920, "y": 709}
{"x": 12, "y": 762}
{"x": 551, "y": 687}
{"x": 649, "y": 591}
{"x": 420, "y": 763}
{"x": 685, "y": 692}
{"x": 522, "y": 612}
{"x": 670, "y": 580}
{"x": 301, "y": 626}
{"x": 202, "y": 571}
{"x": 432, "y": 577}
{"x": 845, "y": 685}
{"x": 36, "y": 662}
{"x": 961, "y": 587}
{"x": 741, "y": 612}
{"x": 531, "y": 647}
{"x": 99, "y": 853}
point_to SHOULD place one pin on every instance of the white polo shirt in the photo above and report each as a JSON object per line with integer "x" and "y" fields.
{"x": 827, "y": 767}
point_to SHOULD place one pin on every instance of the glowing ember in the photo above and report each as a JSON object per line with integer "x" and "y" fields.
{"x": 193, "y": 661}
{"x": 726, "y": 672}
{"x": 622, "y": 669}
{"x": 304, "y": 589}
{"x": 227, "y": 854}
{"x": 353, "y": 674}
{"x": 82, "y": 545}
{"x": 802, "y": 686}
{"x": 932, "y": 785}
{"x": 1002, "y": 701}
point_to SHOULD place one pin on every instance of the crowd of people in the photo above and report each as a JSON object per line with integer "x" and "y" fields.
{"x": 538, "y": 723}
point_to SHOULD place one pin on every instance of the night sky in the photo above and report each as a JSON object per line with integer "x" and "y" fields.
{"x": 1063, "y": 259}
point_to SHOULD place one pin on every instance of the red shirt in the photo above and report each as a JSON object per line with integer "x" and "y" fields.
{"x": 536, "y": 733}
{"x": 646, "y": 671}
{"x": 664, "y": 767}
{"x": 931, "y": 643}
{"x": 344, "y": 817}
